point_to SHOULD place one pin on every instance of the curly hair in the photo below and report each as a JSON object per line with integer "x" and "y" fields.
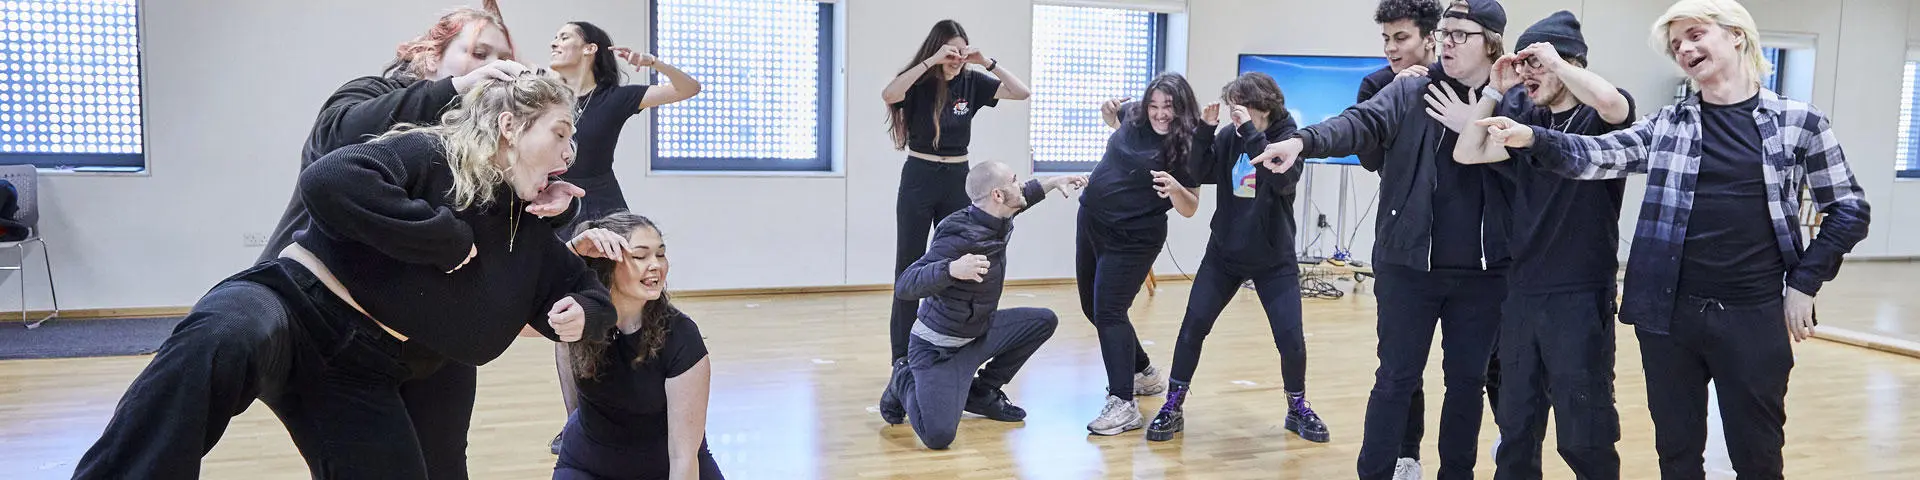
{"x": 1424, "y": 13}
{"x": 585, "y": 355}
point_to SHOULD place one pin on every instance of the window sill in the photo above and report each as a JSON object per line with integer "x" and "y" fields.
{"x": 744, "y": 174}
{"x": 66, "y": 172}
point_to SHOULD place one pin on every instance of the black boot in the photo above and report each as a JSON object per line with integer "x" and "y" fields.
{"x": 1171, "y": 419}
{"x": 892, "y": 407}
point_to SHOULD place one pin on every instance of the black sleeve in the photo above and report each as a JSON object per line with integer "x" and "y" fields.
{"x": 1200, "y": 151}
{"x": 1209, "y": 170}
{"x": 628, "y": 98}
{"x": 916, "y": 97}
{"x": 684, "y": 347}
{"x": 1371, "y": 124}
{"x": 1368, "y": 88}
{"x": 565, "y": 274}
{"x": 362, "y": 194}
{"x": 1633, "y": 111}
{"x": 985, "y": 87}
{"x": 370, "y": 106}
{"x": 1034, "y": 193}
{"x": 929, "y": 274}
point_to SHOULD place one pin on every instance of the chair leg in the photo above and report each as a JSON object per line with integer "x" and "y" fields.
{"x": 46, "y": 257}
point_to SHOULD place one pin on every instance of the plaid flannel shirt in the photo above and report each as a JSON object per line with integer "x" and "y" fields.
{"x": 1801, "y": 150}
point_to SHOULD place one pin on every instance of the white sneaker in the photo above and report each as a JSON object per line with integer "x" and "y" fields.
{"x": 1119, "y": 416}
{"x": 1495, "y": 453}
{"x": 1149, "y": 382}
{"x": 1406, "y": 469}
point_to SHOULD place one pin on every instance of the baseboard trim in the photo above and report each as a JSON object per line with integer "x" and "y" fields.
{"x": 137, "y": 312}
{"x": 1870, "y": 341}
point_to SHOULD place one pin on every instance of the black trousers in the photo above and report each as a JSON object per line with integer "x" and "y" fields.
{"x": 1215, "y": 284}
{"x": 330, "y": 374}
{"x": 1110, "y": 265}
{"x": 1556, "y": 351}
{"x": 441, "y": 407}
{"x": 929, "y": 191}
{"x": 944, "y": 378}
{"x": 582, "y": 458}
{"x": 1745, "y": 352}
{"x": 1466, "y": 308}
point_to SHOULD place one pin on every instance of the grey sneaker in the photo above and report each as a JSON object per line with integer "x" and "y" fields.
{"x": 1406, "y": 469}
{"x": 1149, "y": 382}
{"x": 1119, "y": 416}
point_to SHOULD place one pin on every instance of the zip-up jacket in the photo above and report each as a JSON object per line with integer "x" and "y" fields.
{"x": 954, "y": 307}
{"x": 1395, "y": 121}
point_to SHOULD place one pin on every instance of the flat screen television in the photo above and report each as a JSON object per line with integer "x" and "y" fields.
{"x": 1317, "y": 86}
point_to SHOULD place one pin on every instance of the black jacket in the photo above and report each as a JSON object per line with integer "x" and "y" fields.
{"x": 1255, "y": 231}
{"x": 1395, "y": 120}
{"x": 954, "y": 307}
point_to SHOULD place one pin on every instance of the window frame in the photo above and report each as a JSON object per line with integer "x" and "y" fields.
{"x": 822, "y": 163}
{"x": 143, "y": 115}
{"x": 1160, "y": 39}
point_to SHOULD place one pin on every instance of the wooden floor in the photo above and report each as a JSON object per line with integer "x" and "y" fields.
{"x": 796, "y": 378}
{"x": 1880, "y": 296}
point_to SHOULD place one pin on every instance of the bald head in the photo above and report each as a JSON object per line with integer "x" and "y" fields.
{"x": 986, "y": 177}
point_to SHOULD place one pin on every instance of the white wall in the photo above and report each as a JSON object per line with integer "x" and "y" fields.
{"x": 232, "y": 86}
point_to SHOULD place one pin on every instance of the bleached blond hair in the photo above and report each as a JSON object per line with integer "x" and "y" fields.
{"x": 1728, "y": 14}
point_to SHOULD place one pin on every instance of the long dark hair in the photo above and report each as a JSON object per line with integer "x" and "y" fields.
{"x": 1256, "y": 90}
{"x": 586, "y": 356}
{"x": 1178, "y": 145}
{"x": 943, "y": 31}
{"x": 606, "y": 65}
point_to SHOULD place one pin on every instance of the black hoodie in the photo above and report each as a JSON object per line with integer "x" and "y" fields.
{"x": 1253, "y": 212}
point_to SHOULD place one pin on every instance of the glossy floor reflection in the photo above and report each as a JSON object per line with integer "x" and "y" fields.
{"x": 796, "y": 378}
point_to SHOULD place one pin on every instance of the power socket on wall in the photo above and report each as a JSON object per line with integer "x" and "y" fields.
{"x": 253, "y": 239}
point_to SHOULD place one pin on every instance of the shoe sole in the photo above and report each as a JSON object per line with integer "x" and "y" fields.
{"x": 1149, "y": 390}
{"x": 1315, "y": 437}
{"x": 997, "y": 418}
{"x": 1130, "y": 426}
{"x": 1154, "y": 435}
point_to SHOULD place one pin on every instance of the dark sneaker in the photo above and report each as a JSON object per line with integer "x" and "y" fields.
{"x": 995, "y": 406}
{"x": 892, "y": 409}
{"x": 1170, "y": 421}
{"x": 1301, "y": 420}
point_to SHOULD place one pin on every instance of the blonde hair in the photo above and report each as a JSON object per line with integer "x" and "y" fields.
{"x": 1728, "y": 14}
{"x": 472, "y": 136}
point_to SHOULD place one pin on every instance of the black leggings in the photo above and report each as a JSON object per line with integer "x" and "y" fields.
{"x": 1110, "y": 265}
{"x": 273, "y": 333}
{"x": 929, "y": 191}
{"x": 1214, "y": 285}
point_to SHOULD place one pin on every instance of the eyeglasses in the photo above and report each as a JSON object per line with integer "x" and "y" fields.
{"x": 1531, "y": 62}
{"x": 1455, "y": 37}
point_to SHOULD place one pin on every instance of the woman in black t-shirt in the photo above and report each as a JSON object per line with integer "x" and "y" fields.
{"x": 930, "y": 106}
{"x": 586, "y": 59}
{"x": 643, "y": 390}
{"x": 1123, "y": 224}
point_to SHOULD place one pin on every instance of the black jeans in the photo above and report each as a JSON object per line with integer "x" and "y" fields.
{"x": 440, "y": 404}
{"x": 929, "y": 191}
{"x": 1466, "y": 307}
{"x": 276, "y": 334}
{"x": 943, "y": 378}
{"x": 1110, "y": 265}
{"x": 582, "y": 458}
{"x": 1745, "y": 352}
{"x": 1557, "y": 352}
{"x": 1214, "y": 285}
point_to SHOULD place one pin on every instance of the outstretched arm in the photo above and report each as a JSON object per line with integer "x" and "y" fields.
{"x": 679, "y": 86}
